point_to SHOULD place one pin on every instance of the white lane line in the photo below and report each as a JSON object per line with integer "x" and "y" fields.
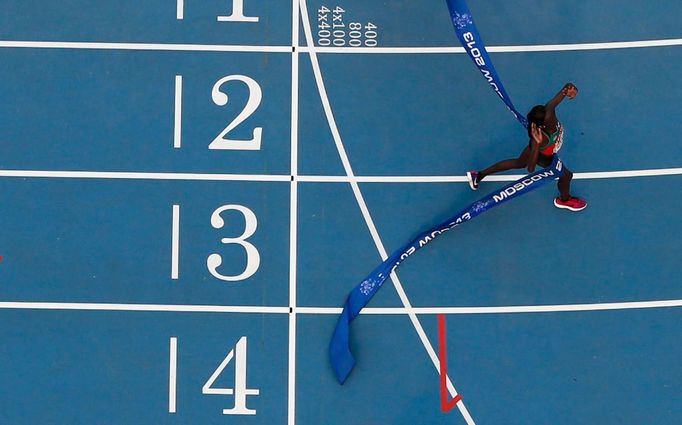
{"x": 132, "y": 175}
{"x": 126, "y": 175}
{"x": 497, "y": 178}
{"x": 516, "y": 309}
{"x": 293, "y": 220}
{"x": 363, "y": 207}
{"x": 317, "y": 178}
{"x": 143, "y": 46}
{"x": 178, "y": 308}
{"x": 172, "y": 375}
{"x": 637, "y": 44}
{"x": 175, "y": 242}
{"x": 628, "y": 173}
{"x": 550, "y": 308}
{"x": 346, "y": 50}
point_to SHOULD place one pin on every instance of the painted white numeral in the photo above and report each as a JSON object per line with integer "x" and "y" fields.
{"x": 240, "y": 391}
{"x": 252, "y": 255}
{"x": 220, "y": 99}
{"x": 237, "y": 14}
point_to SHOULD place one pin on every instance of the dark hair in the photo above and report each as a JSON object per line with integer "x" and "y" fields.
{"x": 536, "y": 116}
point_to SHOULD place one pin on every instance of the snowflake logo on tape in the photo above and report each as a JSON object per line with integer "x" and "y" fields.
{"x": 462, "y": 21}
{"x": 367, "y": 286}
{"x": 479, "y": 206}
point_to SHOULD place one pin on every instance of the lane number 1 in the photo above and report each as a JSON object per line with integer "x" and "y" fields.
{"x": 237, "y": 14}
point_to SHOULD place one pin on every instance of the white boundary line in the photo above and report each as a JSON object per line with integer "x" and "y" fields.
{"x": 365, "y": 211}
{"x": 325, "y": 50}
{"x": 87, "y": 45}
{"x": 133, "y": 175}
{"x": 293, "y": 220}
{"x": 496, "y": 178}
{"x": 501, "y": 49}
{"x": 178, "y": 308}
{"x": 628, "y": 173}
{"x": 517, "y": 309}
{"x": 126, "y": 175}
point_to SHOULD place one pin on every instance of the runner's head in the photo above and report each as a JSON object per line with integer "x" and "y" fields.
{"x": 537, "y": 115}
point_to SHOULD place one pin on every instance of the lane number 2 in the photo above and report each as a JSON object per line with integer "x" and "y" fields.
{"x": 220, "y": 98}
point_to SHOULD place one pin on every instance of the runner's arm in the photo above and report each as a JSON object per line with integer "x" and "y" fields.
{"x": 568, "y": 89}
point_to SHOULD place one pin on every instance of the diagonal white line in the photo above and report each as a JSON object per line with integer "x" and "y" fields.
{"x": 363, "y": 207}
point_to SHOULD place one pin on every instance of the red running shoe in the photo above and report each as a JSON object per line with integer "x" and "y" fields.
{"x": 573, "y": 204}
{"x": 472, "y": 176}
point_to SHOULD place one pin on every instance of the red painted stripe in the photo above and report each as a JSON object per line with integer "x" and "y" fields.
{"x": 445, "y": 404}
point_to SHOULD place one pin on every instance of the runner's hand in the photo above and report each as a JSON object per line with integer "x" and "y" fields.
{"x": 570, "y": 90}
{"x": 536, "y": 133}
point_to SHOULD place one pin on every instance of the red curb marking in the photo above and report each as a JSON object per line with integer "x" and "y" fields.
{"x": 445, "y": 404}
